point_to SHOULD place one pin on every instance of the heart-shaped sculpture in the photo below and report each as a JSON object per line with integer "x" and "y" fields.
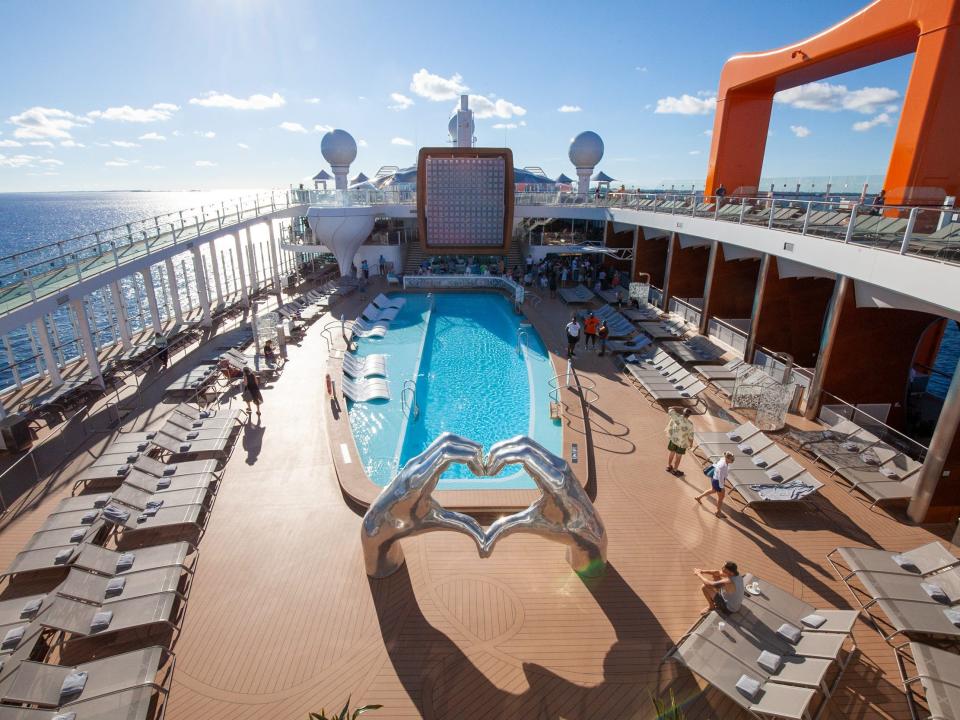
{"x": 563, "y": 513}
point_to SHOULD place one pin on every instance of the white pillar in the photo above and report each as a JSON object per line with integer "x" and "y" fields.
{"x": 86, "y": 339}
{"x": 49, "y": 358}
{"x": 151, "y": 292}
{"x": 215, "y": 271}
{"x": 244, "y": 293}
{"x": 583, "y": 181}
{"x": 174, "y": 290}
{"x": 276, "y": 264}
{"x": 123, "y": 326}
{"x": 252, "y": 259}
{"x": 202, "y": 294}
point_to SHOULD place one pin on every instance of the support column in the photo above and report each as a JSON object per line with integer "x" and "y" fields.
{"x": 929, "y": 491}
{"x": 215, "y": 271}
{"x": 86, "y": 339}
{"x": 708, "y": 286}
{"x": 202, "y": 294}
{"x": 673, "y": 246}
{"x": 123, "y": 326}
{"x": 244, "y": 288}
{"x": 252, "y": 259}
{"x": 740, "y": 127}
{"x": 49, "y": 359}
{"x": 274, "y": 260}
{"x": 766, "y": 267}
{"x": 827, "y": 338}
{"x": 174, "y": 290}
{"x": 151, "y": 292}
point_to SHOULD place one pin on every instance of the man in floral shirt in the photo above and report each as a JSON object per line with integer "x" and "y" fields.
{"x": 679, "y": 437}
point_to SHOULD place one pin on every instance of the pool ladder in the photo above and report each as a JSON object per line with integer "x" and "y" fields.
{"x": 521, "y": 340}
{"x": 411, "y": 406}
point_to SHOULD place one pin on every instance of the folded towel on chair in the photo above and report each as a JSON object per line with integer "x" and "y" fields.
{"x": 125, "y": 561}
{"x": 30, "y": 609}
{"x": 115, "y": 586}
{"x": 749, "y": 686}
{"x": 73, "y": 685}
{"x": 769, "y": 661}
{"x": 935, "y": 592}
{"x": 13, "y": 637}
{"x": 101, "y": 621}
{"x": 906, "y": 563}
{"x": 789, "y": 632}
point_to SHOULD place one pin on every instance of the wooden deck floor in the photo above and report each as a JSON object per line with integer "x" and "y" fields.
{"x": 282, "y": 619}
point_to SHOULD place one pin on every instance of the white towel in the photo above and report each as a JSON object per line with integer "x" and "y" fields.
{"x": 88, "y": 518}
{"x": 115, "y": 587}
{"x": 184, "y": 447}
{"x": 77, "y": 535}
{"x": 65, "y": 716}
{"x": 789, "y": 632}
{"x": 30, "y": 609}
{"x": 748, "y": 686}
{"x": 123, "y": 470}
{"x": 745, "y": 448}
{"x": 770, "y": 661}
{"x": 953, "y": 616}
{"x": 813, "y": 620}
{"x": 101, "y": 621}
{"x": 116, "y": 514}
{"x": 101, "y": 500}
{"x": 62, "y": 556}
{"x": 163, "y": 484}
{"x": 169, "y": 470}
{"x": 935, "y": 592}
{"x": 906, "y": 563}
{"x": 73, "y": 685}
{"x": 13, "y": 637}
{"x": 154, "y": 504}
{"x": 125, "y": 561}
{"x": 133, "y": 457}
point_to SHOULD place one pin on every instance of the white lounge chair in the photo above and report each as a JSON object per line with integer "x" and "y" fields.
{"x": 361, "y": 328}
{"x": 365, "y": 390}
{"x": 374, "y": 314}
{"x": 361, "y": 367}
{"x": 383, "y": 302}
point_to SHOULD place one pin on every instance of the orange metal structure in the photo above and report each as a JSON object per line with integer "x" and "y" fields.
{"x": 924, "y": 165}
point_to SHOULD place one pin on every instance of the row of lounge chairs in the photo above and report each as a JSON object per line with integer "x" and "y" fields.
{"x": 375, "y": 318}
{"x": 664, "y": 379}
{"x": 762, "y": 473}
{"x": 912, "y": 596}
{"x": 777, "y": 656}
{"x": 864, "y": 463}
{"x": 133, "y": 593}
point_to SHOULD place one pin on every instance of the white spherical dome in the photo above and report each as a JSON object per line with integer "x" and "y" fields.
{"x": 338, "y": 147}
{"x": 586, "y": 150}
{"x": 452, "y": 128}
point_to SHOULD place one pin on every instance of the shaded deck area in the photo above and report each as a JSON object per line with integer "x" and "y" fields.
{"x": 282, "y": 619}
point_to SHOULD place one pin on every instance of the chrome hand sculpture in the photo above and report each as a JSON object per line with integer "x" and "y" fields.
{"x": 405, "y": 507}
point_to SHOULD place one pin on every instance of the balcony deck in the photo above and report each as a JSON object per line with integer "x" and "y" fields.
{"x": 282, "y": 619}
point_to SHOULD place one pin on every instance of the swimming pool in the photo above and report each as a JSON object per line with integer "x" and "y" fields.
{"x": 460, "y": 349}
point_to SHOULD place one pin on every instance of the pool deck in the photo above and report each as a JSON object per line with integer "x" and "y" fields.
{"x": 282, "y": 619}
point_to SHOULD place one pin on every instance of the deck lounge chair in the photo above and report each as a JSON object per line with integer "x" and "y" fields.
{"x": 797, "y": 489}
{"x": 361, "y": 328}
{"x": 936, "y": 670}
{"x": 690, "y": 392}
{"x": 749, "y": 447}
{"x": 111, "y": 562}
{"x": 175, "y": 419}
{"x": 383, "y": 302}
{"x": 20, "y": 610}
{"x": 889, "y": 491}
{"x": 77, "y": 619}
{"x": 783, "y": 471}
{"x": 890, "y": 586}
{"x": 727, "y": 371}
{"x": 660, "y": 331}
{"x": 723, "y": 671}
{"x": 193, "y": 413}
{"x": 794, "y": 610}
{"x": 158, "y": 469}
{"x": 220, "y": 447}
{"x": 738, "y": 435}
{"x": 369, "y": 389}
{"x": 578, "y": 294}
{"x": 637, "y": 344}
{"x": 171, "y": 483}
{"x": 368, "y": 366}
{"x": 133, "y": 525}
{"x": 374, "y": 314}
{"x": 42, "y": 684}
{"x": 920, "y": 562}
{"x": 100, "y": 589}
{"x": 64, "y": 536}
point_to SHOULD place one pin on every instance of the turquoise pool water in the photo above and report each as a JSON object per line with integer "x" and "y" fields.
{"x": 461, "y": 351}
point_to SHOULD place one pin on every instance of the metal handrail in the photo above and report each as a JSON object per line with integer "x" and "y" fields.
{"x": 413, "y": 406}
{"x": 521, "y": 340}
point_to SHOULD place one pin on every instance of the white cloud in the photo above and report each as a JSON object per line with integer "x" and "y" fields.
{"x": 16, "y": 161}
{"x": 119, "y": 162}
{"x": 641, "y": 68}
{"x": 323, "y": 128}
{"x": 124, "y": 143}
{"x": 401, "y": 141}
{"x": 153, "y": 167}
{"x": 881, "y": 119}
{"x": 569, "y": 108}
{"x": 205, "y": 163}
{"x": 10, "y": 143}
{"x": 361, "y": 143}
{"x": 156, "y": 137}
{"x": 176, "y": 133}
{"x": 293, "y": 127}
{"x": 157, "y": 112}
{"x": 243, "y": 146}
{"x": 400, "y": 101}
{"x": 483, "y": 108}
{"x": 708, "y": 133}
{"x": 833, "y": 98}
{"x": 437, "y": 88}
{"x": 686, "y": 105}
{"x": 505, "y": 126}
{"x": 694, "y": 152}
{"x": 801, "y": 131}
{"x": 209, "y": 134}
{"x": 254, "y": 102}
{"x": 891, "y": 108}
{"x": 71, "y": 144}
{"x": 41, "y": 143}
{"x": 50, "y": 161}
{"x": 312, "y": 101}
{"x": 40, "y": 123}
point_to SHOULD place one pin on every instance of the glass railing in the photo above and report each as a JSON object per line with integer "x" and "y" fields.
{"x": 686, "y": 309}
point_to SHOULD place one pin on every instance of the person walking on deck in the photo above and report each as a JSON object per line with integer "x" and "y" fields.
{"x": 251, "y": 390}
{"x": 679, "y": 437}
{"x": 718, "y": 480}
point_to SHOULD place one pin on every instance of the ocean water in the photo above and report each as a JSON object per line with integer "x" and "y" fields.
{"x": 460, "y": 350}
{"x": 29, "y": 220}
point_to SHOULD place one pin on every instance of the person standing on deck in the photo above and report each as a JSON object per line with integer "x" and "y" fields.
{"x": 718, "y": 480}
{"x": 590, "y": 327}
{"x": 679, "y": 437}
{"x": 573, "y": 336}
{"x": 603, "y": 332}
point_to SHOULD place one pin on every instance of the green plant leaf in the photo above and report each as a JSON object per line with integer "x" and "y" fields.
{"x": 346, "y": 709}
{"x": 321, "y": 716}
{"x": 365, "y": 708}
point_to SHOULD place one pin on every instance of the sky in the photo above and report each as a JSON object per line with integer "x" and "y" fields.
{"x": 204, "y": 94}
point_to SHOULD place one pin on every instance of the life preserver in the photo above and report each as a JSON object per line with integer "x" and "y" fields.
{"x": 329, "y": 385}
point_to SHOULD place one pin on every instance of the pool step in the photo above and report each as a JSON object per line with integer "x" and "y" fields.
{"x": 556, "y": 411}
